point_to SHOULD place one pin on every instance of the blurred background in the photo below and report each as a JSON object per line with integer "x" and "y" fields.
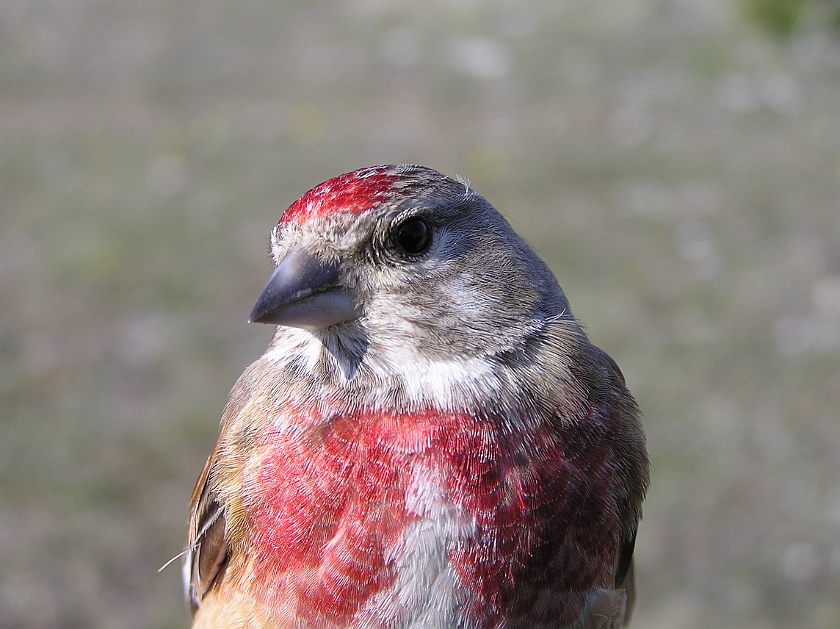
{"x": 677, "y": 163}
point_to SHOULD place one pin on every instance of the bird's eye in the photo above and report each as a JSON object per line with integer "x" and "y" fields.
{"x": 413, "y": 236}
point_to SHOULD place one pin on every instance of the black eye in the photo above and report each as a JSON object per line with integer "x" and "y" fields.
{"x": 413, "y": 235}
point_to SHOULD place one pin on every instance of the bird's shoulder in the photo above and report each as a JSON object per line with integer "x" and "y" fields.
{"x": 215, "y": 510}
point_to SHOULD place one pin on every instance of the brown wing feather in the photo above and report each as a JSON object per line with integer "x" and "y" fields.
{"x": 212, "y": 520}
{"x": 207, "y": 549}
{"x": 625, "y": 560}
{"x": 604, "y": 381}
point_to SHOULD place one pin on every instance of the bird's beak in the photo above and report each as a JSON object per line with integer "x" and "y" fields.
{"x": 305, "y": 292}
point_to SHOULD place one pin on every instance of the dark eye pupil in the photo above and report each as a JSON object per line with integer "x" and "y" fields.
{"x": 413, "y": 235}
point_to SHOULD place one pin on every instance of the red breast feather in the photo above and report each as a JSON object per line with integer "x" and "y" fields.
{"x": 330, "y": 507}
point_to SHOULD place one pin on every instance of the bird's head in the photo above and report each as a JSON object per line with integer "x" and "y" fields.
{"x": 405, "y": 255}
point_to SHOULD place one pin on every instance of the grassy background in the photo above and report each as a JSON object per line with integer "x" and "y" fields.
{"x": 677, "y": 164}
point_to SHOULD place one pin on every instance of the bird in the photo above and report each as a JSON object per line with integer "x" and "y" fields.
{"x": 430, "y": 439}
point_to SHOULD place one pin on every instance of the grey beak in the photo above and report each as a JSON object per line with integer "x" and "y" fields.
{"x": 305, "y": 292}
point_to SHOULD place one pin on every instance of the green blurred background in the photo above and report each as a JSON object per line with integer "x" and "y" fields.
{"x": 677, "y": 163}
